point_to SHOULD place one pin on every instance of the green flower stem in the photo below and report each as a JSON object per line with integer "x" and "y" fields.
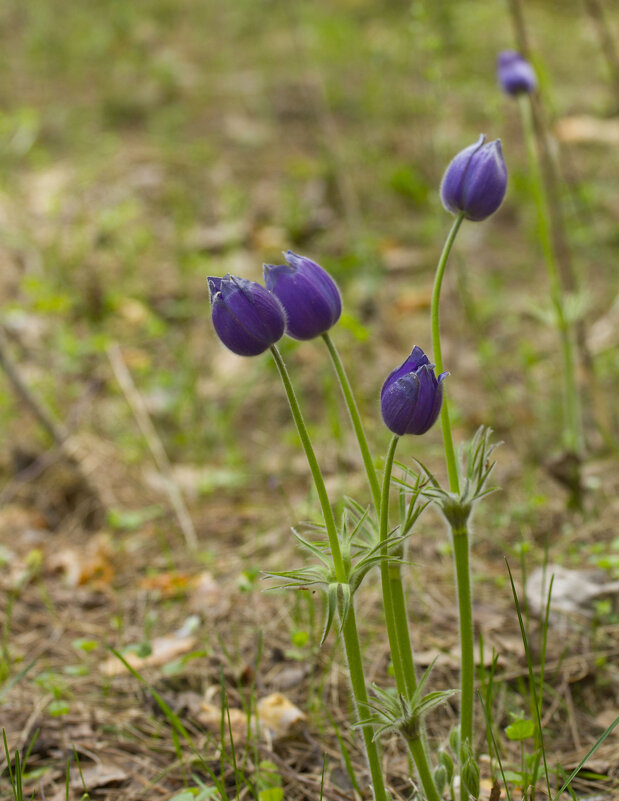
{"x": 357, "y": 682}
{"x": 355, "y": 418}
{"x": 398, "y": 603}
{"x": 327, "y": 511}
{"x": 460, "y": 537}
{"x": 450, "y": 454}
{"x": 391, "y": 577}
{"x": 397, "y": 626}
{"x": 425, "y": 774}
{"x": 385, "y": 574}
{"x": 349, "y": 626}
{"x": 467, "y": 667}
{"x": 572, "y": 416}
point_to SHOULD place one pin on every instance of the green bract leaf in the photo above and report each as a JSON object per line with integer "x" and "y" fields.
{"x": 394, "y": 712}
{"x": 475, "y": 470}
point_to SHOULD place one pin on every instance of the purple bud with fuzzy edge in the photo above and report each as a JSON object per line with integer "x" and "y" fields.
{"x": 475, "y": 181}
{"x": 412, "y": 395}
{"x": 516, "y": 76}
{"x": 247, "y": 318}
{"x": 308, "y": 294}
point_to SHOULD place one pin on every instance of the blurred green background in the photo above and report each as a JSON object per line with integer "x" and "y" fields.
{"x": 146, "y": 145}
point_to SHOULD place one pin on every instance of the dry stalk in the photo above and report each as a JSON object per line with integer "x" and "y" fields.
{"x": 146, "y": 426}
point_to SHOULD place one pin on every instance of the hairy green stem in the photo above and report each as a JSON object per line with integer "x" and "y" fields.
{"x": 327, "y": 511}
{"x": 573, "y": 434}
{"x": 397, "y": 626}
{"x": 349, "y": 626}
{"x": 355, "y": 418}
{"x": 460, "y": 537}
{"x": 450, "y": 454}
{"x": 425, "y": 774}
{"x": 390, "y": 614}
{"x": 467, "y": 667}
{"x": 391, "y": 577}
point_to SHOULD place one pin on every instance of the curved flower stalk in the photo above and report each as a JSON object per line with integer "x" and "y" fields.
{"x": 473, "y": 188}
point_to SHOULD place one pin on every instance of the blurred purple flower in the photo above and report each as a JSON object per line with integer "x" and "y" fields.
{"x": 247, "y": 318}
{"x": 475, "y": 181}
{"x": 308, "y": 294}
{"x": 516, "y": 76}
{"x": 412, "y": 395}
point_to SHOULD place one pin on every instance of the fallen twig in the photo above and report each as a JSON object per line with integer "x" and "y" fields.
{"x": 58, "y": 431}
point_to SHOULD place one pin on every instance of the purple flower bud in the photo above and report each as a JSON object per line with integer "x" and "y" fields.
{"x": 516, "y": 76}
{"x": 411, "y": 396}
{"x": 475, "y": 181}
{"x": 308, "y": 294}
{"x": 247, "y": 318}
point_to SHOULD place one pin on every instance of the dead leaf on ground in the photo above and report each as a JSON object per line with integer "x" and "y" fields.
{"x": 15, "y": 520}
{"x": 89, "y": 563}
{"x": 425, "y": 658}
{"x": 574, "y": 592}
{"x": 584, "y": 128}
{"x": 163, "y": 650}
{"x": 210, "y": 715}
{"x": 607, "y": 718}
{"x": 169, "y": 584}
{"x": 398, "y": 258}
{"x": 133, "y": 311}
{"x": 99, "y": 775}
{"x": 451, "y": 658}
{"x": 215, "y": 238}
{"x": 270, "y": 237}
{"x": 412, "y": 301}
{"x": 289, "y": 675}
{"x": 136, "y": 358}
{"x": 208, "y": 598}
{"x": 279, "y": 715}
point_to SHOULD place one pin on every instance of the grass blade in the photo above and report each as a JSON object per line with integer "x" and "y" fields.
{"x": 527, "y": 651}
{"x": 587, "y": 755}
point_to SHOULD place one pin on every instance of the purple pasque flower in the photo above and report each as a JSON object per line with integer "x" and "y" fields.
{"x": 475, "y": 181}
{"x": 308, "y": 294}
{"x": 516, "y": 76}
{"x": 247, "y": 318}
{"x": 411, "y": 397}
